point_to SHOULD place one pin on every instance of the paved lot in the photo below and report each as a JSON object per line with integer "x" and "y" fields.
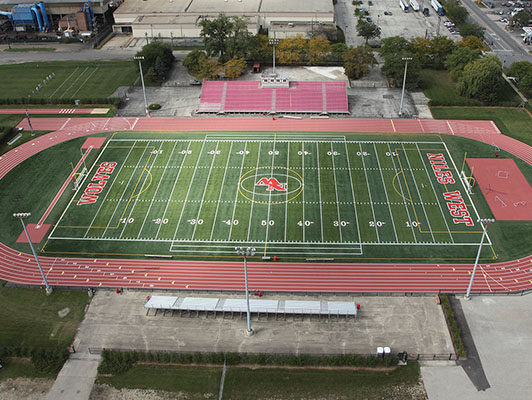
{"x": 414, "y": 324}
{"x": 501, "y": 329}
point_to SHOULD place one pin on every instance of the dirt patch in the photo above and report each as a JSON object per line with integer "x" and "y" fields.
{"x": 25, "y": 388}
{"x": 104, "y": 392}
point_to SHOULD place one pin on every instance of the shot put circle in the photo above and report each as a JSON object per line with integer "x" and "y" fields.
{"x": 278, "y": 185}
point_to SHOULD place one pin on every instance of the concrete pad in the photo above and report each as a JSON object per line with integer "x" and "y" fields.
{"x": 75, "y": 380}
{"x": 95, "y": 142}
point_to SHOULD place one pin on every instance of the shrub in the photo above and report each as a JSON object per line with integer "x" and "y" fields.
{"x": 154, "y": 106}
{"x": 49, "y": 360}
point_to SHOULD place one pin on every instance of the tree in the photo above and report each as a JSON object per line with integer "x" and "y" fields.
{"x": 155, "y": 50}
{"x": 522, "y": 17}
{"x": 292, "y": 50}
{"x": 160, "y": 69}
{"x": 520, "y": 69}
{"x": 441, "y": 47}
{"x": 456, "y": 12}
{"x": 339, "y": 50}
{"x": 239, "y": 39}
{"x": 319, "y": 49}
{"x": 209, "y": 69}
{"x": 421, "y": 50}
{"x": 473, "y": 42}
{"x": 215, "y": 33}
{"x": 458, "y": 59}
{"x": 368, "y": 30}
{"x": 472, "y": 30}
{"x": 193, "y": 60}
{"x": 357, "y": 62}
{"x": 234, "y": 67}
{"x": 259, "y": 48}
{"x": 393, "y": 45}
{"x": 394, "y": 68}
{"x": 482, "y": 80}
{"x": 525, "y": 86}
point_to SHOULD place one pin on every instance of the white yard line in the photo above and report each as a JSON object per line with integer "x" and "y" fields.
{"x": 188, "y": 191}
{"x": 65, "y": 81}
{"x": 122, "y": 195}
{"x": 303, "y": 176}
{"x": 148, "y": 170}
{"x": 369, "y": 192}
{"x": 173, "y": 188}
{"x": 438, "y": 199}
{"x": 336, "y": 195}
{"x": 84, "y": 82}
{"x": 407, "y": 208}
{"x": 253, "y": 196}
{"x": 82, "y": 184}
{"x": 385, "y": 192}
{"x": 109, "y": 191}
{"x": 286, "y": 198}
{"x": 221, "y": 191}
{"x": 419, "y": 194}
{"x": 352, "y": 190}
{"x": 205, "y": 190}
{"x": 319, "y": 190}
{"x": 270, "y": 198}
{"x": 75, "y": 80}
{"x": 236, "y": 192}
{"x": 156, "y": 190}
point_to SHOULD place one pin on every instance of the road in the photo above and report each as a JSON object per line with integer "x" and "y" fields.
{"x": 504, "y": 45}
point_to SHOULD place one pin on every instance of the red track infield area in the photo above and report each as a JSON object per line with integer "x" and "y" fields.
{"x": 505, "y": 188}
{"x": 20, "y": 268}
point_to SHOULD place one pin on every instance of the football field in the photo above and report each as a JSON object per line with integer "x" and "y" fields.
{"x": 298, "y": 196}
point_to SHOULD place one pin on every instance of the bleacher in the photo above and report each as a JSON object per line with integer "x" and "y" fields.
{"x": 250, "y": 97}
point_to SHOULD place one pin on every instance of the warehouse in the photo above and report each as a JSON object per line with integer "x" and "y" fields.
{"x": 181, "y": 18}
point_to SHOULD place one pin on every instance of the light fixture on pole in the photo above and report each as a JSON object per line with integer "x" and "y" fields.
{"x": 246, "y": 252}
{"x": 274, "y": 42}
{"x": 482, "y": 221}
{"x": 405, "y": 59}
{"x": 139, "y": 59}
{"x": 21, "y": 216}
{"x": 29, "y": 122}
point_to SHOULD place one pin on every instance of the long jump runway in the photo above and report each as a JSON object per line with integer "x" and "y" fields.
{"x": 18, "y": 267}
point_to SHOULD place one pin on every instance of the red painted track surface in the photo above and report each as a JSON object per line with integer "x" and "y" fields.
{"x": 46, "y": 110}
{"x": 19, "y": 267}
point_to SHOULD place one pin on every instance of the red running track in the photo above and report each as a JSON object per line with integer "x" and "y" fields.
{"x": 503, "y": 277}
{"x": 46, "y": 110}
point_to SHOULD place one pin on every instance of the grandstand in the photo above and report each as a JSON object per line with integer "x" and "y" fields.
{"x": 252, "y": 97}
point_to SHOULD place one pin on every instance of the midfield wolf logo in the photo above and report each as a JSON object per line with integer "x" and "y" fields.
{"x": 272, "y": 183}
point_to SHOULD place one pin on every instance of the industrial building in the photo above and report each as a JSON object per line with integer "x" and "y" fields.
{"x": 49, "y": 15}
{"x": 181, "y": 18}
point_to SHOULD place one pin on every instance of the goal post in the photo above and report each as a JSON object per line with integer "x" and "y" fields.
{"x": 78, "y": 177}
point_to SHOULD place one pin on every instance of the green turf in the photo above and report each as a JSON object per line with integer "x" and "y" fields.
{"x": 440, "y": 87}
{"x": 513, "y": 122}
{"x": 72, "y": 80}
{"x": 29, "y": 317}
{"x": 140, "y": 210}
{"x": 21, "y": 368}
{"x": 275, "y": 383}
{"x": 196, "y": 382}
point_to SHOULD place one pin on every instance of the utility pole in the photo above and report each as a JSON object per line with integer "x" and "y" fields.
{"x": 139, "y": 59}
{"x": 482, "y": 221}
{"x": 29, "y": 123}
{"x": 405, "y": 59}
{"x": 274, "y": 42}
{"x": 246, "y": 252}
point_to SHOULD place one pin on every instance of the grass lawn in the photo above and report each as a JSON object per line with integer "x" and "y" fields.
{"x": 29, "y": 317}
{"x": 196, "y": 382}
{"x": 513, "y": 122}
{"x": 70, "y": 80}
{"x": 21, "y": 368}
{"x": 268, "y": 383}
{"x": 440, "y": 87}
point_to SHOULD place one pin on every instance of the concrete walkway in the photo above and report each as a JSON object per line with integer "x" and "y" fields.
{"x": 501, "y": 329}
{"x": 76, "y": 378}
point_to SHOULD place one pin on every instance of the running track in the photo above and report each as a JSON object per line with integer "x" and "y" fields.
{"x": 195, "y": 275}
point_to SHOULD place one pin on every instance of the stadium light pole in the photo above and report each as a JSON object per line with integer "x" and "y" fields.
{"x": 139, "y": 59}
{"x": 273, "y": 42}
{"x": 484, "y": 233}
{"x": 29, "y": 123}
{"x": 405, "y": 59}
{"x": 21, "y": 216}
{"x": 246, "y": 252}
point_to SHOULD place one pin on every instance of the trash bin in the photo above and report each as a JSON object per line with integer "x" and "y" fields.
{"x": 387, "y": 351}
{"x": 380, "y": 351}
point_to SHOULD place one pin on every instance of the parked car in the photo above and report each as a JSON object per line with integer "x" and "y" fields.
{"x": 194, "y": 82}
{"x": 369, "y": 19}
